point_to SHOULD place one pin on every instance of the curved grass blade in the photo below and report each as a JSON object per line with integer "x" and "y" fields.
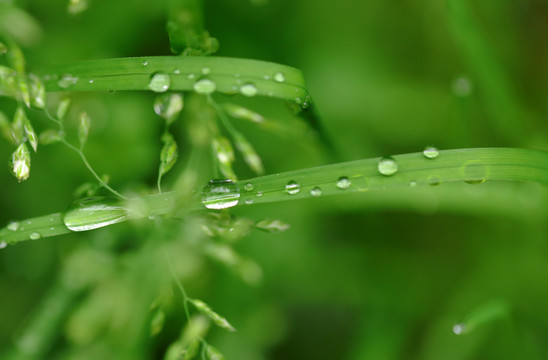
{"x": 415, "y": 169}
{"x": 230, "y": 75}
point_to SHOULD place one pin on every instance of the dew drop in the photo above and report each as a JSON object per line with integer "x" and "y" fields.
{"x": 67, "y": 81}
{"x": 412, "y": 183}
{"x": 220, "y": 194}
{"x": 249, "y": 201}
{"x": 316, "y": 192}
{"x": 459, "y": 329}
{"x": 266, "y": 77}
{"x": 204, "y": 86}
{"x": 168, "y": 106}
{"x": 292, "y": 188}
{"x": 13, "y": 226}
{"x": 430, "y": 152}
{"x": 159, "y": 82}
{"x": 35, "y": 236}
{"x": 279, "y": 77}
{"x": 343, "y": 183}
{"x": 259, "y": 193}
{"x": 249, "y": 187}
{"x": 91, "y": 81}
{"x": 177, "y": 72}
{"x": 3, "y": 244}
{"x": 475, "y": 172}
{"x": 206, "y": 70}
{"x": 145, "y": 63}
{"x": 387, "y": 166}
{"x": 462, "y": 86}
{"x": 249, "y": 90}
{"x": 434, "y": 180}
{"x": 191, "y": 76}
{"x": 94, "y": 213}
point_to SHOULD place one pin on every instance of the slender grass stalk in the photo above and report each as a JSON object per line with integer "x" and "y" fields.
{"x": 415, "y": 169}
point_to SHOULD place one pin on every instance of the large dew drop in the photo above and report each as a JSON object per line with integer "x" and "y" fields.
{"x": 35, "y": 236}
{"x": 292, "y": 188}
{"x": 343, "y": 183}
{"x": 13, "y": 226}
{"x": 430, "y": 152}
{"x": 159, "y": 82}
{"x": 3, "y": 244}
{"x": 387, "y": 166}
{"x": 459, "y": 329}
{"x": 249, "y": 90}
{"x": 204, "y": 86}
{"x": 279, "y": 77}
{"x": 94, "y": 213}
{"x": 316, "y": 192}
{"x": 67, "y": 81}
{"x": 220, "y": 194}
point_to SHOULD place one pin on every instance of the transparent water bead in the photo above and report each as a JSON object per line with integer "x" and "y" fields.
{"x": 204, "y": 86}
{"x": 220, "y": 194}
{"x": 94, "y": 213}
{"x": 249, "y": 90}
{"x": 168, "y": 106}
{"x": 249, "y": 187}
{"x": 459, "y": 329}
{"x": 35, "y": 236}
{"x": 430, "y": 152}
{"x": 462, "y": 86}
{"x": 206, "y": 70}
{"x": 316, "y": 192}
{"x": 3, "y": 244}
{"x": 475, "y": 172}
{"x": 13, "y": 226}
{"x": 145, "y": 63}
{"x": 249, "y": 201}
{"x": 387, "y": 166}
{"x": 434, "y": 180}
{"x": 67, "y": 81}
{"x": 279, "y": 77}
{"x": 159, "y": 82}
{"x": 343, "y": 183}
{"x": 292, "y": 188}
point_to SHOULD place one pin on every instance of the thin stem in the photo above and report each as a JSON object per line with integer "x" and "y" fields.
{"x": 186, "y": 299}
{"x": 222, "y": 115}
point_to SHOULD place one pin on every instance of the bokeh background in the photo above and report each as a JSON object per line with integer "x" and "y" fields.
{"x": 380, "y": 275}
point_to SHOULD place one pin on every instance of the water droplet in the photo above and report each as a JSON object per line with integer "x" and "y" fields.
{"x": 67, "y": 81}
{"x": 159, "y": 82}
{"x": 35, "y": 236}
{"x": 220, "y": 194}
{"x": 191, "y": 76}
{"x": 204, "y": 86}
{"x": 249, "y": 201}
{"x": 412, "y": 183}
{"x": 13, "y": 226}
{"x": 52, "y": 228}
{"x": 343, "y": 183}
{"x": 3, "y": 244}
{"x": 292, "y": 188}
{"x": 387, "y": 166}
{"x": 462, "y": 86}
{"x": 475, "y": 172}
{"x": 206, "y": 70}
{"x": 145, "y": 63}
{"x": 237, "y": 75}
{"x": 430, "y": 152}
{"x": 316, "y": 192}
{"x": 249, "y": 187}
{"x": 434, "y": 180}
{"x": 279, "y": 77}
{"x": 91, "y": 81}
{"x": 249, "y": 90}
{"x": 459, "y": 329}
{"x": 94, "y": 213}
{"x": 177, "y": 72}
{"x": 259, "y": 193}
{"x": 266, "y": 77}
{"x": 168, "y": 106}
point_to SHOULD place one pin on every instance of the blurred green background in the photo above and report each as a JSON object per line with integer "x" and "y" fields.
{"x": 382, "y": 275}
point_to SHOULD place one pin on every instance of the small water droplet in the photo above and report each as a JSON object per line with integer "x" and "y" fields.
{"x": 145, "y": 63}
{"x": 412, "y": 183}
{"x": 266, "y": 77}
{"x": 237, "y": 75}
{"x": 94, "y": 213}
{"x": 387, "y": 166}
{"x": 249, "y": 187}
{"x": 434, "y": 180}
{"x": 91, "y": 81}
{"x": 13, "y": 226}
{"x": 292, "y": 188}
{"x": 204, "y": 86}
{"x": 316, "y": 192}
{"x": 35, "y": 236}
{"x": 51, "y": 219}
{"x": 67, "y": 81}
{"x": 3, "y": 244}
{"x": 475, "y": 172}
{"x": 52, "y": 228}
{"x": 462, "y": 86}
{"x": 259, "y": 193}
{"x": 191, "y": 76}
{"x": 220, "y": 194}
{"x": 206, "y": 70}
{"x": 249, "y": 90}
{"x": 177, "y": 72}
{"x": 430, "y": 152}
{"x": 159, "y": 82}
{"x": 459, "y": 329}
{"x": 249, "y": 201}
{"x": 279, "y": 77}
{"x": 343, "y": 183}
{"x": 29, "y": 222}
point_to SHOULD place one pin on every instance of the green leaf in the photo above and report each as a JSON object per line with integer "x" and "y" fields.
{"x": 20, "y": 163}
{"x": 168, "y": 155}
{"x": 5, "y": 128}
{"x": 207, "y": 311}
{"x": 250, "y": 155}
{"x": 272, "y": 225}
{"x": 18, "y": 125}
{"x": 50, "y": 137}
{"x": 222, "y": 148}
{"x": 62, "y": 108}
{"x": 31, "y": 135}
{"x": 240, "y": 112}
{"x": 37, "y": 91}
{"x": 77, "y": 6}
{"x": 83, "y": 128}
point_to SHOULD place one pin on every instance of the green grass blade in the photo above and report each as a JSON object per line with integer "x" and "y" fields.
{"x": 229, "y": 75}
{"x": 470, "y": 165}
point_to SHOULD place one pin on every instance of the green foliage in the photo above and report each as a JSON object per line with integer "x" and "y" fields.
{"x": 385, "y": 257}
